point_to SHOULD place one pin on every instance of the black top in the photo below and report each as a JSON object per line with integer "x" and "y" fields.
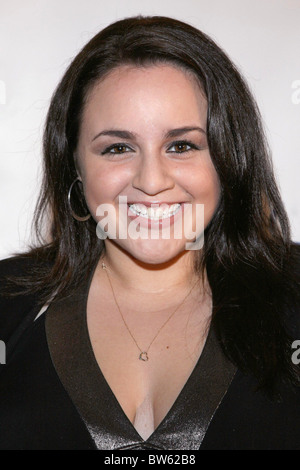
{"x": 53, "y": 396}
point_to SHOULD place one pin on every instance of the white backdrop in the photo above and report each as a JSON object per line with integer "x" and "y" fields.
{"x": 39, "y": 38}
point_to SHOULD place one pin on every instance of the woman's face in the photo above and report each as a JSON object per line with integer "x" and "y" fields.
{"x": 142, "y": 142}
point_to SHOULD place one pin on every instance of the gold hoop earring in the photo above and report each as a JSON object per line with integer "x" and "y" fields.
{"x": 77, "y": 217}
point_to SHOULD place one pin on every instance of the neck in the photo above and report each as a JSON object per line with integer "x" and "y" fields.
{"x": 149, "y": 278}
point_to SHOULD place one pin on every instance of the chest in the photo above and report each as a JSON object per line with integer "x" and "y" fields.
{"x": 145, "y": 390}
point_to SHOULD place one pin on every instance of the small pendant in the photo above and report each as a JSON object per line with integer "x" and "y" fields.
{"x": 143, "y": 356}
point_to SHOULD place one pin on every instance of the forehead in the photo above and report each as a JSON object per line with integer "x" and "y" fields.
{"x": 129, "y": 76}
{"x": 151, "y": 93}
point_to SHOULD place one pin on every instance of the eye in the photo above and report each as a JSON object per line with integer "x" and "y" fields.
{"x": 182, "y": 146}
{"x": 117, "y": 149}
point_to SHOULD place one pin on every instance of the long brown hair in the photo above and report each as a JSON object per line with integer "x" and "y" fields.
{"x": 247, "y": 243}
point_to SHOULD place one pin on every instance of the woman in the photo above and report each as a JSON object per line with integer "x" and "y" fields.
{"x": 141, "y": 321}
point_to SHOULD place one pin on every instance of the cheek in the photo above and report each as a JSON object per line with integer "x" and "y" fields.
{"x": 103, "y": 184}
{"x": 203, "y": 184}
{"x": 204, "y": 187}
{"x": 211, "y": 187}
{"x": 212, "y": 198}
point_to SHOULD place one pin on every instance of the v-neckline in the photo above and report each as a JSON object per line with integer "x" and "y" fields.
{"x": 185, "y": 424}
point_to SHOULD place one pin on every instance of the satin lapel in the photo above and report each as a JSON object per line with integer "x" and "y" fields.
{"x": 185, "y": 426}
{"x": 80, "y": 375}
{"x": 186, "y": 423}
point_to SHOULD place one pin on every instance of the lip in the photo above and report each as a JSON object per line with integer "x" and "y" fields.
{"x": 156, "y": 203}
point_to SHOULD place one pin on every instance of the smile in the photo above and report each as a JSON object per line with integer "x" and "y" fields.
{"x": 155, "y": 212}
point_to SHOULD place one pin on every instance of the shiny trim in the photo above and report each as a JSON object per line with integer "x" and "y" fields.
{"x": 185, "y": 425}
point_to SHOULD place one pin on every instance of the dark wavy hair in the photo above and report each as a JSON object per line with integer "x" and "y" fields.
{"x": 247, "y": 249}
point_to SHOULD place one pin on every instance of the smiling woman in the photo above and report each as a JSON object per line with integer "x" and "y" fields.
{"x": 150, "y": 108}
{"x": 159, "y": 309}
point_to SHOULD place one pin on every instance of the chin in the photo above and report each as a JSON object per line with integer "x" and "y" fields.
{"x": 155, "y": 252}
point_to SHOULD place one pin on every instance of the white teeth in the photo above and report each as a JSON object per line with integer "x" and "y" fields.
{"x": 154, "y": 213}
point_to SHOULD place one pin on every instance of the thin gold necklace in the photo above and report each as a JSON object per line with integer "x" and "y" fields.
{"x": 143, "y": 356}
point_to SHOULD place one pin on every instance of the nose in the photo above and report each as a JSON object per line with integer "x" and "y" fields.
{"x": 153, "y": 175}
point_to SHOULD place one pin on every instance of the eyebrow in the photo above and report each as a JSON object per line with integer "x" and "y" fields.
{"x": 184, "y": 130}
{"x": 122, "y": 134}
